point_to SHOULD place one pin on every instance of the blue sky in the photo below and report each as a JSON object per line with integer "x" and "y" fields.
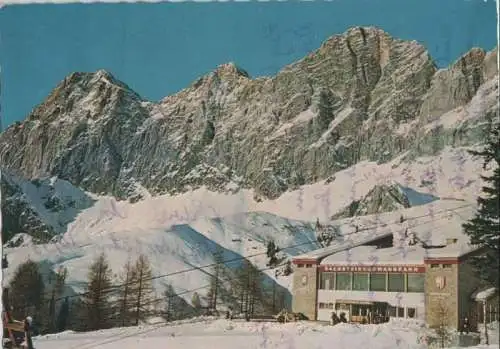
{"x": 158, "y": 49}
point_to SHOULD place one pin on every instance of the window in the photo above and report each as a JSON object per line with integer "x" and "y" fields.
{"x": 359, "y": 310}
{"x": 416, "y": 282}
{"x": 392, "y": 311}
{"x": 341, "y": 306}
{"x": 343, "y": 281}
{"x": 411, "y": 312}
{"x": 434, "y": 266}
{"x": 377, "y": 282}
{"x": 308, "y": 265}
{"x": 325, "y": 305}
{"x": 396, "y": 283}
{"x": 327, "y": 280}
{"x": 360, "y": 282}
{"x": 300, "y": 265}
{"x": 446, "y": 266}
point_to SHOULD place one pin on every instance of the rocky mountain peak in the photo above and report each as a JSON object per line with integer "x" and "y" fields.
{"x": 362, "y": 95}
{"x": 83, "y": 95}
{"x": 230, "y": 71}
{"x": 223, "y": 77}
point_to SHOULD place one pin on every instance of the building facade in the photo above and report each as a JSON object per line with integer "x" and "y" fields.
{"x": 374, "y": 281}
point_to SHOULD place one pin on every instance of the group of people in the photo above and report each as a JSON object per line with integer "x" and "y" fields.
{"x": 335, "y": 319}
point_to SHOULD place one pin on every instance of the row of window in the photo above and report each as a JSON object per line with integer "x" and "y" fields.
{"x": 382, "y": 282}
{"x": 443, "y": 266}
{"x": 360, "y": 310}
{"x": 304, "y": 265}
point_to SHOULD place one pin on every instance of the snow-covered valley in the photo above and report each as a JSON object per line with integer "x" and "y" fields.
{"x": 182, "y": 233}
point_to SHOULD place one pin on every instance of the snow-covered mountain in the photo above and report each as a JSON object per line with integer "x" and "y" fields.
{"x": 183, "y": 231}
{"x": 363, "y": 128}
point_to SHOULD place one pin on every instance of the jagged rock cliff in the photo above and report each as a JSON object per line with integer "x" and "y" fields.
{"x": 362, "y": 95}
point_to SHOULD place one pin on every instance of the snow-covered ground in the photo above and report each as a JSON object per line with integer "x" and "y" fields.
{"x": 181, "y": 232}
{"x": 225, "y": 334}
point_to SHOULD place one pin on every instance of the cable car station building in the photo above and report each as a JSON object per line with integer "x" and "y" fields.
{"x": 377, "y": 275}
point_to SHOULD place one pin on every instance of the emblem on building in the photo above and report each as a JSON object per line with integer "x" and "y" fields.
{"x": 304, "y": 280}
{"x": 440, "y": 282}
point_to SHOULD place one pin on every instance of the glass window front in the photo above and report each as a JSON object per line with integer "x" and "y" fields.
{"x": 416, "y": 282}
{"x": 343, "y": 281}
{"x": 327, "y": 280}
{"x": 396, "y": 283}
{"x": 360, "y": 282}
{"x": 377, "y": 282}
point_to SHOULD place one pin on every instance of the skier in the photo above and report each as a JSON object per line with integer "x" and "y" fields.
{"x": 343, "y": 318}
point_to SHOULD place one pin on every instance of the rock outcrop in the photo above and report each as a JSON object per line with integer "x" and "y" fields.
{"x": 385, "y": 198}
{"x": 40, "y": 209}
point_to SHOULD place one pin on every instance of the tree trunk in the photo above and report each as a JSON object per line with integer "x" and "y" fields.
{"x": 216, "y": 287}
{"x": 139, "y": 294}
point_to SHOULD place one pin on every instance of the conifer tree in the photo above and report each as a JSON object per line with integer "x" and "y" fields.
{"x": 170, "y": 308}
{"x": 142, "y": 290}
{"x": 56, "y": 285}
{"x": 97, "y": 305}
{"x": 248, "y": 286}
{"x": 63, "y": 316}
{"x": 26, "y": 290}
{"x": 484, "y": 229}
{"x": 125, "y": 302}
{"x": 271, "y": 252}
{"x": 213, "y": 292}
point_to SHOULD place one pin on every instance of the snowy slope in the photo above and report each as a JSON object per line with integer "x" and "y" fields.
{"x": 179, "y": 232}
{"x": 222, "y": 334}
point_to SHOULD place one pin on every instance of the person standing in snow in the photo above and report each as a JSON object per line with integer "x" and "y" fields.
{"x": 229, "y": 313}
{"x": 334, "y": 319}
{"x": 465, "y": 326}
{"x": 343, "y": 318}
{"x": 28, "y": 342}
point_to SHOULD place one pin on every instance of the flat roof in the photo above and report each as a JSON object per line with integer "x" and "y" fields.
{"x": 433, "y": 223}
{"x": 369, "y": 255}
